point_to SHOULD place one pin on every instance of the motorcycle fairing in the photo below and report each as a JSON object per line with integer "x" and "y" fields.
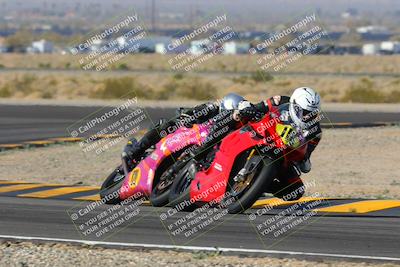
{"x": 140, "y": 179}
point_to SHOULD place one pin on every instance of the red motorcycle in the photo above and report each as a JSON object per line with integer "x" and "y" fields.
{"x": 243, "y": 165}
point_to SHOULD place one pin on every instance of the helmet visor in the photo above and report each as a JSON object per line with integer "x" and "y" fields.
{"x": 307, "y": 117}
{"x": 310, "y": 116}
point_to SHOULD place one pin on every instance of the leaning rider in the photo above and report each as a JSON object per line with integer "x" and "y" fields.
{"x": 302, "y": 109}
{"x": 186, "y": 117}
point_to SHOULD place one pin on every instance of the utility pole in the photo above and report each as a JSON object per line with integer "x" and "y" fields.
{"x": 191, "y": 16}
{"x": 153, "y": 15}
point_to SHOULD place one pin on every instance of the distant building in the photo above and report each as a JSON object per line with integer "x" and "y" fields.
{"x": 160, "y": 48}
{"x": 375, "y": 37}
{"x": 169, "y": 48}
{"x": 97, "y": 45}
{"x": 199, "y": 47}
{"x": 390, "y": 47}
{"x": 349, "y": 13}
{"x": 347, "y": 49}
{"x": 139, "y": 44}
{"x": 370, "y": 49}
{"x": 41, "y": 47}
{"x": 372, "y": 29}
{"x": 324, "y": 49}
{"x": 232, "y": 48}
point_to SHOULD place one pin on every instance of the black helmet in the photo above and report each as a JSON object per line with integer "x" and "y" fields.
{"x": 230, "y": 101}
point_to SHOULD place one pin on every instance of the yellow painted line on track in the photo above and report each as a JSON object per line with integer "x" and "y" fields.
{"x": 59, "y": 191}
{"x": 105, "y": 136}
{"x": 274, "y": 202}
{"x": 268, "y": 201}
{"x": 13, "y": 182}
{"x": 66, "y": 139}
{"x": 95, "y": 197}
{"x": 12, "y": 188}
{"x": 11, "y": 146}
{"x": 362, "y": 206}
{"x": 40, "y": 142}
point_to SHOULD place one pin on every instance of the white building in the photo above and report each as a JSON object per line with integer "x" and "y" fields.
{"x": 370, "y": 49}
{"x": 372, "y": 29}
{"x": 390, "y": 47}
{"x": 97, "y": 44}
{"x": 41, "y": 47}
{"x": 199, "y": 47}
{"x": 232, "y": 48}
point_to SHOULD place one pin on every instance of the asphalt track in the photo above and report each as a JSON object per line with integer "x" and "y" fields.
{"x": 375, "y": 237}
{"x": 20, "y": 123}
{"x": 368, "y": 238}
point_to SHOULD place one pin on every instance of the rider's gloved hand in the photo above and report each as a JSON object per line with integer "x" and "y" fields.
{"x": 186, "y": 121}
{"x": 180, "y": 111}
{"x": 131, "y": 150}
{"x": 251, "y": 113}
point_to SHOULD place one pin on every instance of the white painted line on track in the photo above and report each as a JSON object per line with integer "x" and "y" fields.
{"x": 197, "y": 248}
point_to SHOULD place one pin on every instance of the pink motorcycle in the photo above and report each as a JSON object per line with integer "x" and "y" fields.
{"x": 149, "y": 177}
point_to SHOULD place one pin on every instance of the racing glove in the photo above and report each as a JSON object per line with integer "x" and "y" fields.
{"x": 248, "y": 111}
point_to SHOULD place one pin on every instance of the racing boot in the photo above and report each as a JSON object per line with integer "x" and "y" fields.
{"x": 305, "y": 166}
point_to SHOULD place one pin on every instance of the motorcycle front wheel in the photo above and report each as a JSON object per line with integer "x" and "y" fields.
{"x": 248, "y": 195}
{"x": 160, "y": 193}
{"x": 179, "y": 195}
{"x": 109, "y": 191}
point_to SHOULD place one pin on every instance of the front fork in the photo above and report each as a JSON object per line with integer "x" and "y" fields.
{"x": 124, "y": 159}
{"x": 251, "y": 165}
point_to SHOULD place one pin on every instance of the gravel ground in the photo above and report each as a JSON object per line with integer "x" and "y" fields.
{"x": 355, "y": 163}
{"x": 25, "y": 254}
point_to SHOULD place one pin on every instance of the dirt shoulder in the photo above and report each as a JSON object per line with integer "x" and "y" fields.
{"x": 357, "y": 163}
{"x": 53, "y": 254}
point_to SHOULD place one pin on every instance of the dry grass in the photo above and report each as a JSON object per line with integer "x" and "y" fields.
{"x": 154, "y": 85}
{"x": 237, "y": 63}
{"x": 82, "y": 85}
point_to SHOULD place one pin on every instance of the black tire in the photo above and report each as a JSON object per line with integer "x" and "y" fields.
{"x": 160, "y": 199}
{"x": 257, "y": 187}
{"x": 112, "y": 185}
{"x": 159, "y": 196}
{"x": 179, "y": 192}
{"x": 157, "y": 199}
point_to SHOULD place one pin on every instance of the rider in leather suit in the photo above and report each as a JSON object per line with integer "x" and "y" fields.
{"x": 302, "y": 109}
{"x": 186, "y": 117}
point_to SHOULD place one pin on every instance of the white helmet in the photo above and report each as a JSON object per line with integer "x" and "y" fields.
{"x": 304, "y": 107}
